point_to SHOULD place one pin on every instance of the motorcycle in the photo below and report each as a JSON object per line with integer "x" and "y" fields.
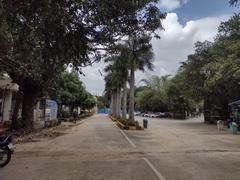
{"x": 6, "y": 150}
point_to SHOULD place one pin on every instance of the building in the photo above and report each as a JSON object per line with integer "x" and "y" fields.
{"x": 7, "y": 95}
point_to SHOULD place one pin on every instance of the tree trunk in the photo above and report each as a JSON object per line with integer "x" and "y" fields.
{"x": 111, "y": 104}
{"x": 15, "y": 125}
{"x": 119, "y": 102}
{"x": 132, "y": 87}
{"x": 29, "y": 102}
{"x": 114, "y": 103}
{"x": 124, "y": 103}
{"x": 60, "y": 106}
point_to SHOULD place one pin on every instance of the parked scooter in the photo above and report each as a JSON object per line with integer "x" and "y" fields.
{"x": 6, "y": 150}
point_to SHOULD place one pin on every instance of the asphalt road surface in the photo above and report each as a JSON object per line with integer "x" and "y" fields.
{"x": 98, "y": 150}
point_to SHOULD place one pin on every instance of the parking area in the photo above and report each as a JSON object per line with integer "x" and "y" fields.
{"x": 97, "y": 150}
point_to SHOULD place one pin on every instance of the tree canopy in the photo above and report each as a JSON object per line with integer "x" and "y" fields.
{"x": 70, "y": 91}
{"x": 212, "y": 72}
{"x": 39, "y": 38}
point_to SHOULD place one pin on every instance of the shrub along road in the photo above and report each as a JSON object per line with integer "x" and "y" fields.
{"x": 97, "y": 149}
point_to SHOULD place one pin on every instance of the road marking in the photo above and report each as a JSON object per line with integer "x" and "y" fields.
{"x": 126, "y": 137}
{"x": 129, "y": 140}
{"x": 158, "y": 174}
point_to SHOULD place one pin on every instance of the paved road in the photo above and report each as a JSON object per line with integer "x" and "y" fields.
{"x": 98, "y": 150}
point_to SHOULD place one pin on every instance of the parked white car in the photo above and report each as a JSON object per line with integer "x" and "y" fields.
{"x": 151, "y": 115}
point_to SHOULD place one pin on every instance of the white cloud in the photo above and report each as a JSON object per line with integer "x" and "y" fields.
{"x": 171, "y": 4}
{"x": 176, "y": 43}
{"x": 94, "y": 80}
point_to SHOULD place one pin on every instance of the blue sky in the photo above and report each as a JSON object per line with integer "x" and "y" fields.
{"x": 196, "y": 9}
{"x": 187, "y": 22}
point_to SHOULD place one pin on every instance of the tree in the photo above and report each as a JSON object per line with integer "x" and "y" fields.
{"x": 120, "y": 64}
{"x": 115, "y": 80}
{"x": 40, "y": 37}
{"x": 212, "y": 73}
{"x": 165, "y": 94}
{"x": 140, "y": 57}
{"x": 234, "y": 2}
{"x": 153, "y": 97}
{"x": 89, "y": 102}
{"x": 69, "y": 91}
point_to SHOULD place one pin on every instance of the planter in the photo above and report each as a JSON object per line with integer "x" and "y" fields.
{"x": 122, "y": 125}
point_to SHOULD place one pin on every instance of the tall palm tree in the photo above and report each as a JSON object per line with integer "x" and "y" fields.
{"x": 114, "y": 82}
{"x": 135, "y": 54}
{"x": 119, "y": 64}
{"x": 111, "y": 88}
{"x": 140, "y": 58}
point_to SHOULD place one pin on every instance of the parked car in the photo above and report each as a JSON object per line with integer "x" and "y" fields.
{"x": 162, "y": 114}
{"x": 149, "y": 114}
{"x": 137, "y": 113}
{"x": 144, "y": 114}
{"x": 153, "y": 115}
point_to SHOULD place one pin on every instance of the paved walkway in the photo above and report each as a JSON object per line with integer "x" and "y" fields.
{"x": 98, "y": 150}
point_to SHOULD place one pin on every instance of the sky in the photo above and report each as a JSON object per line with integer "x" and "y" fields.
{"x": 187, "y": 22}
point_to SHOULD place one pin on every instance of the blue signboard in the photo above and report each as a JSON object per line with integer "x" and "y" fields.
{"x": 52, "y": 107}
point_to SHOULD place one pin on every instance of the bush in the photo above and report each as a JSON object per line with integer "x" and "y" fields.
{"x": 65, "y": 114}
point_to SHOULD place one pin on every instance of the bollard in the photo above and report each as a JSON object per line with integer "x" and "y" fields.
{"x": 145, "y": 123}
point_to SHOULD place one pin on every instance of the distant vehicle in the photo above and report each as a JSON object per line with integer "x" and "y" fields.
{"x": 153, "y": 115}
{"x": 162, "y": 114}
{"x": 137, "y": 113}
{"x": 144, "y": 115}
{"x": 149, "y": 114}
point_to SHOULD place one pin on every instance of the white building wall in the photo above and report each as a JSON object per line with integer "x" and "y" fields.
{"x": 7, "y": 103}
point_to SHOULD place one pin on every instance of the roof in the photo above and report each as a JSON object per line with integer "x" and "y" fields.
{"x": 6, "y": 83}
{"x": 235, "y": 103}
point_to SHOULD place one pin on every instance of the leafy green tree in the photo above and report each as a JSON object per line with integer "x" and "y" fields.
{"x": 153, "y": 97}
{"x": 39, "y": 38}
{"x": 69, "y": 91}
{"x": 101, "y": 102}
{"x": 150, "y": 100}
{"x": 212, "y": 73}
{"x": 89, "y": 102}
{"x": 165, "y": 94}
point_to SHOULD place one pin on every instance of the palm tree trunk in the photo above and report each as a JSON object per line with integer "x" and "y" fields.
{"x": 116, "y": 98}
{"x": 132, "y": 86}
{"x": 114, "y": 103}
{"x": 124, "y": 103}
{"x": 111, "y": 104}
{"x": 118, "y": 103}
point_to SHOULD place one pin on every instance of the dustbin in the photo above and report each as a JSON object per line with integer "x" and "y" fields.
{"x": 234, "y": 128}
{"x": 229, "y": 122}
{"x": 145, "y": 123}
